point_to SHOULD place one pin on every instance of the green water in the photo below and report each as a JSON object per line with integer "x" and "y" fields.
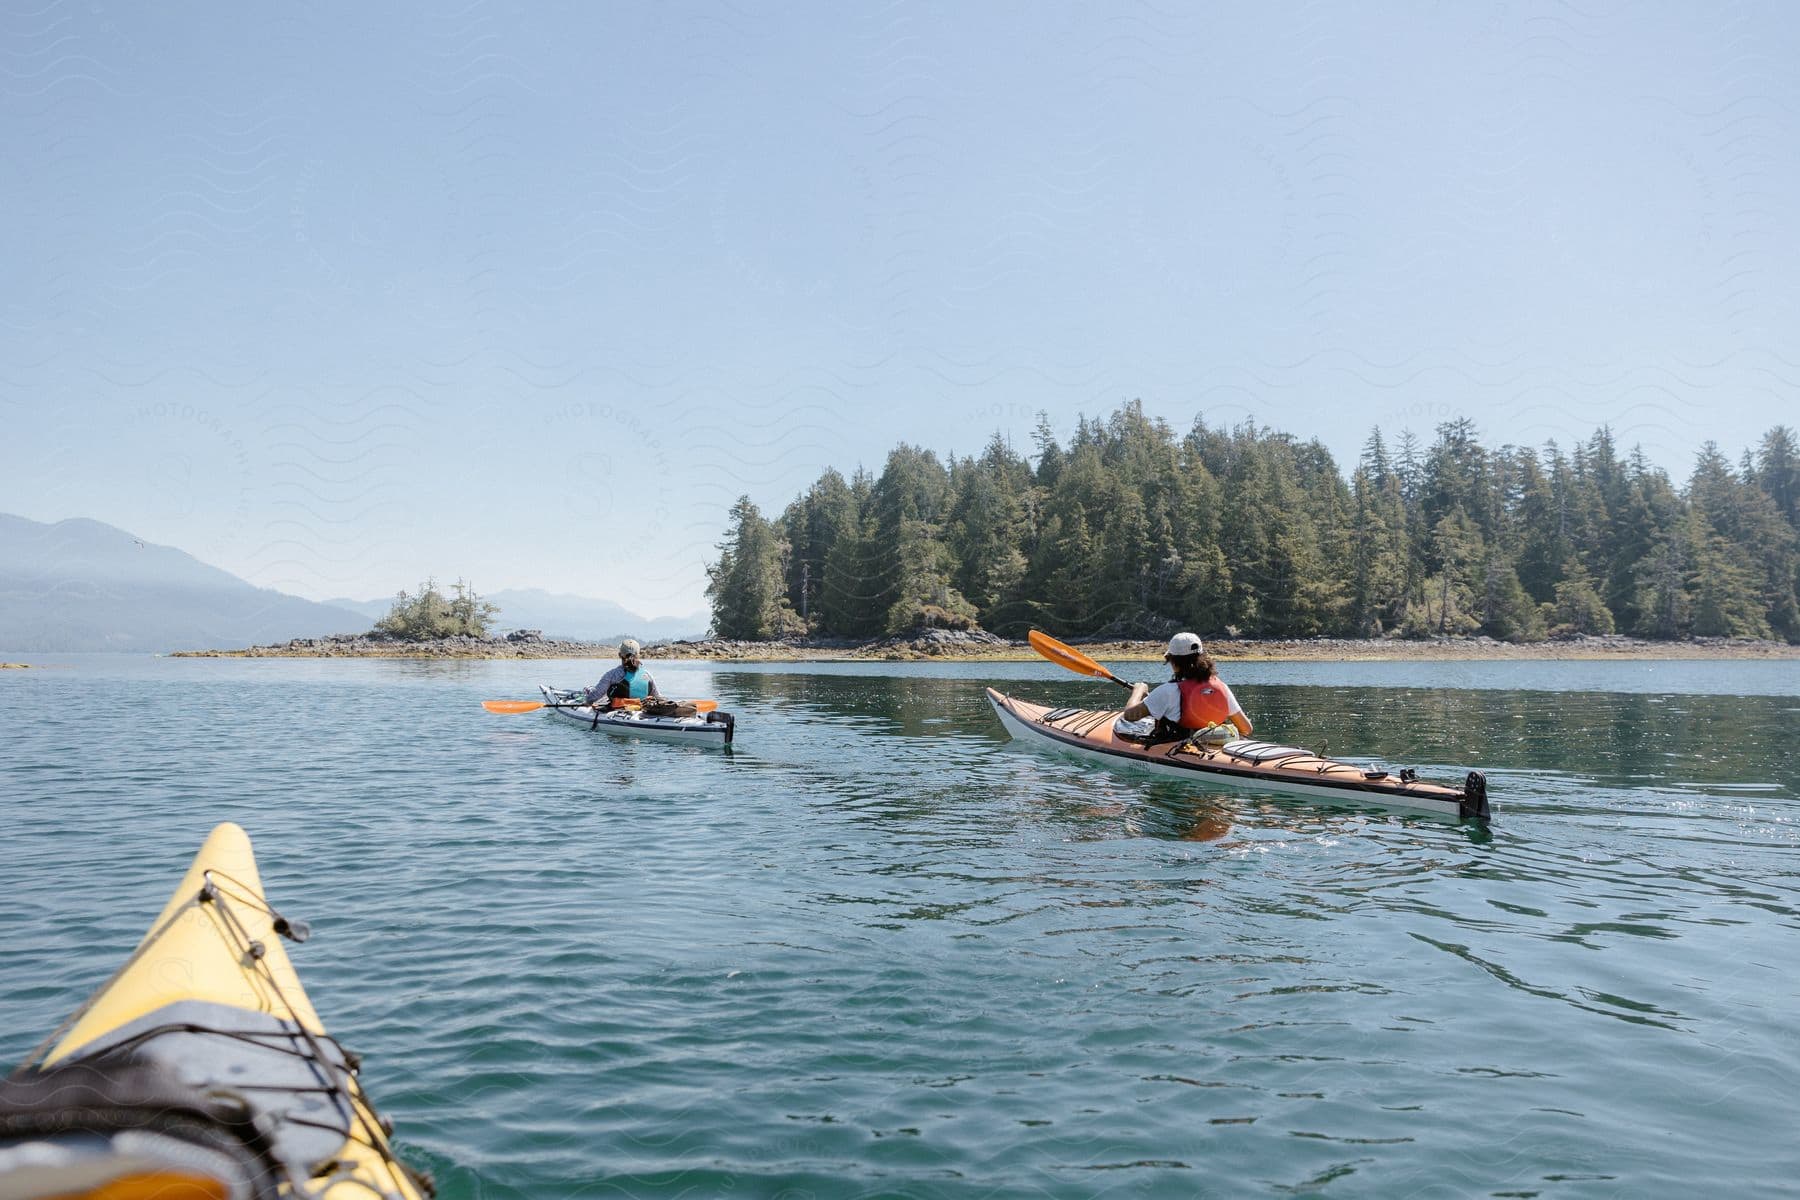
{"x": 880, "y": 951}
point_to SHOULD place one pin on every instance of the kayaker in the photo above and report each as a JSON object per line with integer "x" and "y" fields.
{"x": 1195, "y": 700}
{"x": 628, "y": 680}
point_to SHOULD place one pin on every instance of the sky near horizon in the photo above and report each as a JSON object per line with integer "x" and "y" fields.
{"x": 337, "y": 296}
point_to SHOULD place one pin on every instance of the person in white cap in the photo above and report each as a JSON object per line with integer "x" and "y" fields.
{"x": 628, "y": 680}
{"x": 1195, "y": 700}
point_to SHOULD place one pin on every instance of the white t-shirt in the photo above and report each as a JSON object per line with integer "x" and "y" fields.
{"x": 1165, "y": 700}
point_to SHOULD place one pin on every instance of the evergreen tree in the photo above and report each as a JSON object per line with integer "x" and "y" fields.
{"x": 1578, "y": 607}
{"x": 989, "y": 529}
{"x": 1455, "y": 476}
{"x": 1543, "y": 528}
{"x": 813, "y": 524}
{"x": 1378, "y": 554}
{"x": 1662, "y": 603}
{"x": 1778, "y": 472}
{"x": 1457, "y": 546}
{"x": 745, "y": 585}
{"x": 1050, "y": 455}
{"x": 908, "y": 505}
{"x": 1507, "y": 611}
{"x": 1722, "y": 586}
{"x": 1374, "y": 462}
{"x": 1751, "y": 546}
{"x": 851, "y": 587}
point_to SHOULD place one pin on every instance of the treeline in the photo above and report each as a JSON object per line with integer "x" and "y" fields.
{"x": 1132, "y": 530}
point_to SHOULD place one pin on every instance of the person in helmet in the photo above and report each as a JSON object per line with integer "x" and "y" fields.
{"x": 627, "y": 681}
{"x": 1195, "y": 699}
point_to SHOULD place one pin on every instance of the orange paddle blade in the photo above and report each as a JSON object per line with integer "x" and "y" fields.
{"x": 512, "y": 706}
{"x": 1069, "y": 658}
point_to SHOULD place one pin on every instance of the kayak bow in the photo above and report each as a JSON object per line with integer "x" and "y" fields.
{"x": 200, "y": 1069}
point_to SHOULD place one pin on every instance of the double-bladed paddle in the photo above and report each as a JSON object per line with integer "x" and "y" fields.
{"x": 1070, "y": 658}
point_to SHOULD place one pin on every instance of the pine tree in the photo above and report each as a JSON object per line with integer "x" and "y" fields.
{"x": 1456, "y": 544}
{"x": 745, "y": 585}
{"x": 1049, "y": 454}
{"x": 989, "y": 530}
{"x": 1378, "y": 555}
{"x": 1506, "y": 611}
{"x": 1751, "y": 546}
{"x": 1456, "y": 477}
{"x": 851, "y": 587}
{"x": 908, "y": 505}
{"x": 1578, "y": 608}
{"x": 1778, "y": 472}
{"x": 813, "y": 524}
{"x": 1374, "y": 462}
{"x": 1662, "y": 603}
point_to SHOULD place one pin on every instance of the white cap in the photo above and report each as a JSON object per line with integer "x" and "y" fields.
{"x": 630, "y": 649}
{"x": 1184, "y": 644}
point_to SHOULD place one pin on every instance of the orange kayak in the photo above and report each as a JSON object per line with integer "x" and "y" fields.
{"x": 1088, "y": 734}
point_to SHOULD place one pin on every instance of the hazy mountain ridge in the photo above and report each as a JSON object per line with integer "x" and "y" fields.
{"x": 80, "y": 585}
{"x": 83, "y": 585}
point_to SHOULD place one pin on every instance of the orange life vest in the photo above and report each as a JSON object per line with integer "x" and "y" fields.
{"x": 1202, "y": 704}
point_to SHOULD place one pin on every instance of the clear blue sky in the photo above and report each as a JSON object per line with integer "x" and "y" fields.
{"x": 335, "y": 296}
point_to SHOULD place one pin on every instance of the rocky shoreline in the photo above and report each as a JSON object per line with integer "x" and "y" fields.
{"x": 939, "y": 645}
{"x": 345, "y": 645}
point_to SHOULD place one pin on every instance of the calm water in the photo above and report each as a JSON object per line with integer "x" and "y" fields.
{"x": 878, "y": 952}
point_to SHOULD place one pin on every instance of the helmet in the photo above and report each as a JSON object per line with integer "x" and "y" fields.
{"x": 1184, "y": 644}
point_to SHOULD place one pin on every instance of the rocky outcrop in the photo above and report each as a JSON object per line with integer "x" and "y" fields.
{"x": 939, "y": 643}
{"x": 524, "y": 644}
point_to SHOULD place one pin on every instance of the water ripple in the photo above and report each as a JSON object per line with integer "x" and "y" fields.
{"x": 876, "y": 950}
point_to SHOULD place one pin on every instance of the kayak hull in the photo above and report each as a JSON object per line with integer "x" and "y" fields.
{"x": 207, "y": 1014}
{"x": 707, "y": 729}
{"x": 1088, "y": 735}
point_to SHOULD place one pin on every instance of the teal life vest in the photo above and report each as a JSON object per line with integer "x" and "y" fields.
{"x": 637, "y": 683}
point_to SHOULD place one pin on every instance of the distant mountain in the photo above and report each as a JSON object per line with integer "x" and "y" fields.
{"x": 372, "y": 609}
{"x": 84, "y": 585}
{"x": 586, "y": 618}
{"x": 559, "y": 615}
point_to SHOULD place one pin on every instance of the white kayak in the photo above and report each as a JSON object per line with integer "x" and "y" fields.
{"x": 703, "y": 729}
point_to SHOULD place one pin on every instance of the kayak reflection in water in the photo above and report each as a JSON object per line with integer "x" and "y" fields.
{"x": 1195, "y": 702}
{"x": 627, "y": 681}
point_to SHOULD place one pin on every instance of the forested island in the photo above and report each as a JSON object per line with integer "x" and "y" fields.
{"x": 1132, "y": 531}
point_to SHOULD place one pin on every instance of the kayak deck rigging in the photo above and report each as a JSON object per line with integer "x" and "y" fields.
{"x": 202, "y": 1054}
